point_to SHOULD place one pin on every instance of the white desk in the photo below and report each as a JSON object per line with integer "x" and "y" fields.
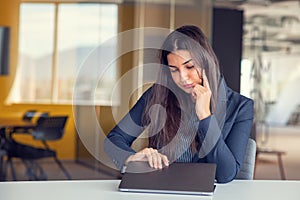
{"x": 107, "y": 190}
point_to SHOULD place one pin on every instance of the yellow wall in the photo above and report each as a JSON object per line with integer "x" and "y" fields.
{"x": 9, "y": 15}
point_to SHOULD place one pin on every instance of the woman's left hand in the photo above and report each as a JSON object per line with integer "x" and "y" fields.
{"x": 201, "y": 94}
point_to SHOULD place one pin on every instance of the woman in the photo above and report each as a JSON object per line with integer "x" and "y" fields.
{"x": 189, "y": 113}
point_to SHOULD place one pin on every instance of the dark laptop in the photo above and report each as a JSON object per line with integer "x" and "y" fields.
{"x": 177, "y": 178}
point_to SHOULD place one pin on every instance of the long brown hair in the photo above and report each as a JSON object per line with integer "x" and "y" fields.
{"x": 165, "y": 109}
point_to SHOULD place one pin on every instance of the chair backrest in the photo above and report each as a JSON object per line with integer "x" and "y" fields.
{"x": 247, "y": 168}
{"x": 49, "y": 127}
{"x": 28, "y": 115}
{"x": 33, "y": 115}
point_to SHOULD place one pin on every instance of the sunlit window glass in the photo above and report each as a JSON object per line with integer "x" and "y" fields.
{"x": 35, "y": 52}
{"x": 54, "y": 41}
{"x": 81, "y": 29}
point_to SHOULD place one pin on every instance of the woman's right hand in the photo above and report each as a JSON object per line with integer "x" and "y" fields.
{"x": 152, "y": 156}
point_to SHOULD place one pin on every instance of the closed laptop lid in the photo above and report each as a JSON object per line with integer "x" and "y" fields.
{"x": 178, "y": 178}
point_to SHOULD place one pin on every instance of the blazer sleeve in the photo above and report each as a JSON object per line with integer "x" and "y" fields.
{"x": 227, "y": 147}
{"x": 117, "y": 144}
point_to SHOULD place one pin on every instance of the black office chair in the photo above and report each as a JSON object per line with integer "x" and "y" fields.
{"x": 29, "y": 116}
{"x": 2, "y": 155}
{"x": 48, "y": 128}
{"x": 2, "y": 166}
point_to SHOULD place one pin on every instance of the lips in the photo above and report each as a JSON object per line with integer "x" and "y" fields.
{"x": 188, "y": 86}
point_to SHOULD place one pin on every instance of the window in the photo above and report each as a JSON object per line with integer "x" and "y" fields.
{"x": 54, "y": 40}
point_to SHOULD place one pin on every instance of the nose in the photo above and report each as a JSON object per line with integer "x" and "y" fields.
{"x": 184, "y": 75}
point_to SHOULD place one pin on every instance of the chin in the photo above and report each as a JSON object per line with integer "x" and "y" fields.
{"x": 188, "y": 91}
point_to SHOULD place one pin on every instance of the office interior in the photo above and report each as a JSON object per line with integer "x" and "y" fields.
{"x": 51, "y": 43}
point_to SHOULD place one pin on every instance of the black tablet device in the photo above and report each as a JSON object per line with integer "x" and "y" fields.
{"x": 177, "y": 178}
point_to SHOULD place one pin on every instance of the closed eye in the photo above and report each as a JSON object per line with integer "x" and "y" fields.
{"x": 190, "y": 67}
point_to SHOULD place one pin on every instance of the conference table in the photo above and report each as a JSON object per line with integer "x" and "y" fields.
{"x": 15, "y": 123}
{"x": 108, "y": 190}
{"x": 6, "y": 125}
{"x": 12, "y": 124}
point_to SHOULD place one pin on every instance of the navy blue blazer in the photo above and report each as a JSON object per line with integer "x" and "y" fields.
{"x": 228, "y": 148}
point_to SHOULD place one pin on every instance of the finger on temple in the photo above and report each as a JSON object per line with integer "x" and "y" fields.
{"x": 199, "y": 75}
{"x": 205, "y": 80}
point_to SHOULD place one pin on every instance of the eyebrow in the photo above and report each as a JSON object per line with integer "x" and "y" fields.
{"x": 186, "y": 62}
{"x": 182, "y": 63}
